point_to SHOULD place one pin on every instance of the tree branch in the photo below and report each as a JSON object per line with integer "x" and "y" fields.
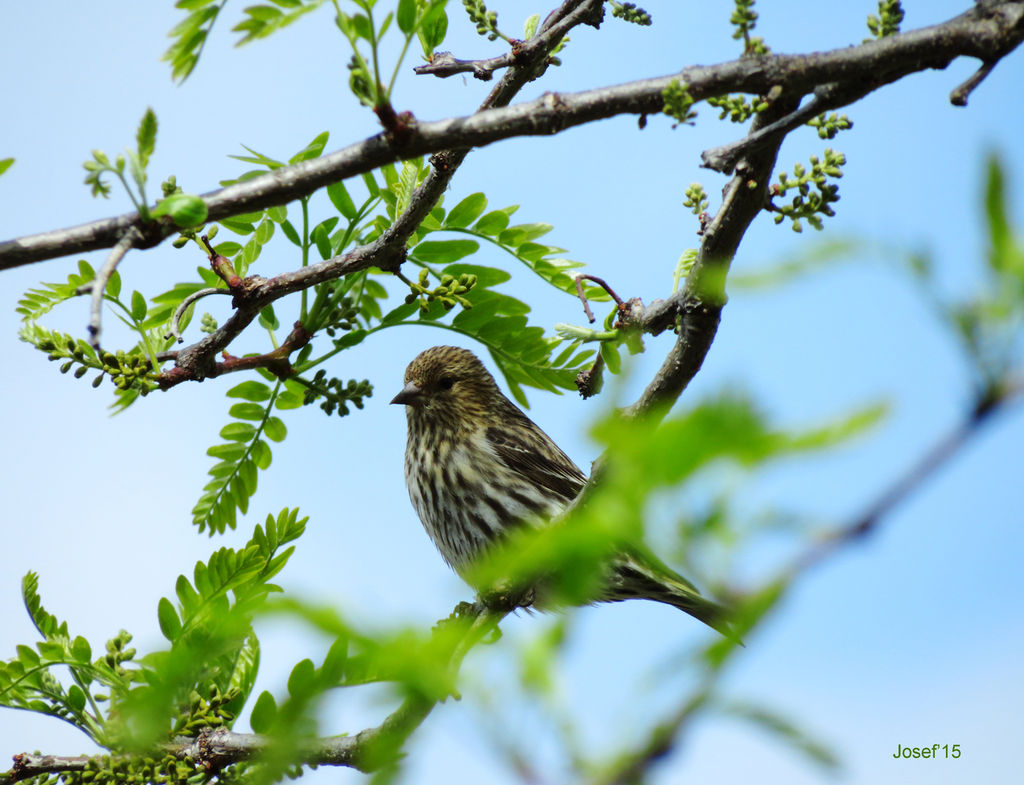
{"x": 696, "y": 307}
{"x": 724, "y": 158}
{"x": 445, "y": 64}
{"x": 940, "y": 454}
{"x": 987, "y": 31}
{"x": 99, "y": 283}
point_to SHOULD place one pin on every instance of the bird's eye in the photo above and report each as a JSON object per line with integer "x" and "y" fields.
{"x": 445, "y": 383}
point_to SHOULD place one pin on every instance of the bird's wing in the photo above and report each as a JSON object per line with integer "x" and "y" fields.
{"x": 530, "y": 453}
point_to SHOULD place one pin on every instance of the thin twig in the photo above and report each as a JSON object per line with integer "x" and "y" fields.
{"x": 724, "y": 158}
{"x": 99, "y": 283}
{"x": 603, "y": 284}
{"x": 444, "y": 64}
{"x": 944, "y": 450}
{"x": 180, "y": 310}
{"x": 583, "y": 299}
{"x": 633, "y": 767}
{"x": 959, "y": 96}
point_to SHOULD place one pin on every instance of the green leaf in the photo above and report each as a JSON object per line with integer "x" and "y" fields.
{"x": 406, "y": 15}
{"x": 999, "y": 233}
{"x": 433, "y": 29}
{"x": 145, "y": 137}
{"x": 232, "y": 451}
{"x": 170, "y": 624}
{"x": 264, "y": 713}
{"x": 522, "y": 233}
{"x": 406, "y": 185}
{"x": 486, "y": 276}
{"x": 81, "y": 650}
{"x": 275, "y": 429}
{"x": 321, "y": 236}
{"x": 466, "y": 211}
{"x": 264, "y": 231}
{"x": 113, "y": 284}
{"x": 290, "y": 233}
{"x": 371, "y": 184}
{"x": 335, "y": 661}
{"x": 76, "y": 697}
{"x": 301, "y": 679}
{"x": 138, "y": 306}
{"x": 5, "y": 164}
{"x": 27, "y": 656}
{"x": 340, "y": 198}
{"x": 247, "y": 411}
{"x": 493, "y": 223}
{"x": 186, "y": 210}
{"x": 264, "y": 20}
{"x": 234, "y": 476}
{"x": 45, "y": 622}
{"x": 237, "y": 432}
{"x": 312, "y": 150}
{"x": 444, "y": 251}
{"x": 237, "y": 226}
{"x": 268, "y": 319}
{"x": 261, "y": 454}
{"x": 189, "y": 35}
{"x": 610, "y": 353}
{"x": 250, "y": 391}
{"x": 361, "y": 27}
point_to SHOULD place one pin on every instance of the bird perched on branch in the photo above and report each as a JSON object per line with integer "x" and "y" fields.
{"x": 477, "y": 467}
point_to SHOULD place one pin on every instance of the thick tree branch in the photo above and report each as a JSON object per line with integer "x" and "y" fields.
{"x": 988, "y": 31}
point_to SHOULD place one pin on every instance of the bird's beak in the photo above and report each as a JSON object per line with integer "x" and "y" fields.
{"x": 411, "y": 395}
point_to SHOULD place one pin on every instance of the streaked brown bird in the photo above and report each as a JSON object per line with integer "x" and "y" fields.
{"x": 477, "y": 467}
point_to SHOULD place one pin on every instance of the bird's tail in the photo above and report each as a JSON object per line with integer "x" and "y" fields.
{"x": 634, "y": 577}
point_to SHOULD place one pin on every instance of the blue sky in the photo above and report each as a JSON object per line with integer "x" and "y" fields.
{"x": 911, "y": 637}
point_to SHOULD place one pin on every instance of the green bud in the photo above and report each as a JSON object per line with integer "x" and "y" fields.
{"x": 97, "y": 381}
{"x": 66, "y": 366}
{"x": 184, "y": 209}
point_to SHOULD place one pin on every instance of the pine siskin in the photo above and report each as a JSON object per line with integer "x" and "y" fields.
{"x": 476, "y": 467}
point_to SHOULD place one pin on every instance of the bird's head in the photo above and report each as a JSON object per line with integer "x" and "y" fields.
{"x": 449, "y": 383}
